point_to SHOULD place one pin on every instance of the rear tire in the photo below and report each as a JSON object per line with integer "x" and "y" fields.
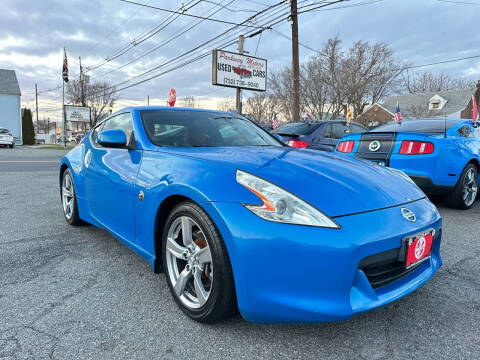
{"x": 197, "y": 266}
{"x": 466, "y": 189}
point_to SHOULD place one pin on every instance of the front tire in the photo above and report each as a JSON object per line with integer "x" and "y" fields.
{"x": 197, "y": 266}
{"x": 466, "y": 189}
{"x": 11, "y": 146}
{"x": 69, "y": 199}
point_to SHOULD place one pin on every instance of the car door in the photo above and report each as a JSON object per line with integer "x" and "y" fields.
{"x": 333, "y": 132}
{"x": 110, "y": 176}
{"x": 325, "y": 141}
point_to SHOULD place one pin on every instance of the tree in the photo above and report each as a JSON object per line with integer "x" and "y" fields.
{"x": 99, "y": 96}
{"x": 361, "y": 75}
{"x": 414, "y": 83}
{"x": 189, "y": 102}
{"x": 226, "y": 104}
{"x": 260, "y": 107}
{"x": 28, "y": 133}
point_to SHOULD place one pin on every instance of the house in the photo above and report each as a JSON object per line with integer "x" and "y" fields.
{"x": 440, "y": 104}
{"x": 10, "y": 113}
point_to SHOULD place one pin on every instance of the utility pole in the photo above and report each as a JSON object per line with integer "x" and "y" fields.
{"x": 148, "y": 100}
{"x": 82, "y": 93}
{"x": 238, "y": 98}
{"x": 295, "y": 62}
{"x": 36, "y": 105}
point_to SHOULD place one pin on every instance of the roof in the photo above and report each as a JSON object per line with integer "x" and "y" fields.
{"x": 9, "y": 83}
{"x": 437, "y": 125}
{"x": 412, "y": 104}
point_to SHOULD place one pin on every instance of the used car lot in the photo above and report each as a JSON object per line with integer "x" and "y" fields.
{"x": 79, "y": 293}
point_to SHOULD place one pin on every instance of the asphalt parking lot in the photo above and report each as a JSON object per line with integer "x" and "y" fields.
{"x": 77, "y": 293}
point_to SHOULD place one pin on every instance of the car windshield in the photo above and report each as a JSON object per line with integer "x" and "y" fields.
{"x": 296, "y": 129}
{"x": 3, "y": 131}
{"x": 184, "y": 128}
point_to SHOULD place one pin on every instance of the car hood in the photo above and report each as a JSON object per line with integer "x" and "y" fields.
{"x": 333, "y": 183}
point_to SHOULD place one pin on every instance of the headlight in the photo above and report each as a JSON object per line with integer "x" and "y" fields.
{"x": 281, "y": 206}
{"x": 402, "y": 174}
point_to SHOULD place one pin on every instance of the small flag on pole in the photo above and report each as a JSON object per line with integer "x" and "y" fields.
{"x": 398, "y": 115}
{"x": 474, "y": 110}
{"x": 349, "y": 115}
{"x": 306, "y": 118}
{"x": 274, "y": 121}
{"x": 65, "y": 66}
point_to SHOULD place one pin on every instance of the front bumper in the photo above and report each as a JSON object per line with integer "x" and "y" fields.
{"x": 290, "y": 273}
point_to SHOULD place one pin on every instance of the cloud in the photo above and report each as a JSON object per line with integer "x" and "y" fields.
{"x": 31, "y": 42}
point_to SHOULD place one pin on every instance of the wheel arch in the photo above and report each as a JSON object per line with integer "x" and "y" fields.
{"x": 63, "y": 167}
{"x": 475, "y": 162}
{"x": 163, "y": 210}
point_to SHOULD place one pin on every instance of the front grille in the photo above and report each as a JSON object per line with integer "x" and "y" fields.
{"x": 383, "y": 268}
{"x": 382, "y": 274}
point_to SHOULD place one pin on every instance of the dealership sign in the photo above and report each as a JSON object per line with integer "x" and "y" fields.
{"x": 239, "y": 71}
{"x": 77, "y": 113}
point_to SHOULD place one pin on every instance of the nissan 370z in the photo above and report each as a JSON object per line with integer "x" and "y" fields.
{"x": 237, "y": 220}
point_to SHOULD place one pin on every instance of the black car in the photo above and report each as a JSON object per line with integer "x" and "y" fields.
{"x": 320, "y": 135}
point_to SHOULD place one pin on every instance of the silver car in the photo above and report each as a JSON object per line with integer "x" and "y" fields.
{"x": 6, "y": 138}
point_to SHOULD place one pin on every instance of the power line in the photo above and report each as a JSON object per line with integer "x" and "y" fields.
{"x": 163, "y": 43}
{"x": 196, "y": 48}
{"x": 186, "y": 14}
{"x": 142, "y": 37}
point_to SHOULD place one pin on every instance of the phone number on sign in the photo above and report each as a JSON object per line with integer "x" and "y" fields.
{"x": 243, "y": 83}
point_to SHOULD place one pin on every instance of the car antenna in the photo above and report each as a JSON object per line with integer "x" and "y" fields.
{"x": 445, "y": 126}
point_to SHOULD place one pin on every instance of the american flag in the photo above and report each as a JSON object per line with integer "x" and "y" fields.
{"x": 307, "y": 116}
{"x": 398, "y": 115}
{"x": 474, "y": 110}
{"x": 274, "y": 121}
{"x": 65, "y": 66}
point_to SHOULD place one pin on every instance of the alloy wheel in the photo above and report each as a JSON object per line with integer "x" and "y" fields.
{"x": 189, "y": 262}
{"x": 470, "y": 187}
{"x": 67, "y": 196}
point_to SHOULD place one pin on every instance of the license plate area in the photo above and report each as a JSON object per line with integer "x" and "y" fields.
{"x": 378, "y": 162}
{"x": 417, "y": 248}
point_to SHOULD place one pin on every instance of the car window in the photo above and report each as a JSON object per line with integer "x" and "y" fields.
{"x": 203, "y": 128}
{"x": 334, "y": 130}
{"x": 465, "y": 131}
{"x": 354, "y": 129}
{"x": 3, "y": 131}
{"x": 121, "y": 121}
{"x": 95, "y": 132}
{"x": 296, "y": 128}
{"x": 477, "y": 130}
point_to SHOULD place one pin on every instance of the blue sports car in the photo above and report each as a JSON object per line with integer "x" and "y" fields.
{"x": 441, "y": 156}
{"x": 237, "y": 220}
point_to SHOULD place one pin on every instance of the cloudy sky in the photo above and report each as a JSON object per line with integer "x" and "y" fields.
{"x": 33, "y": 34}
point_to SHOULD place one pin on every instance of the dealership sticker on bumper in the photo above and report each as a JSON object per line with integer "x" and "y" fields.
{"x": 418, "y": 249}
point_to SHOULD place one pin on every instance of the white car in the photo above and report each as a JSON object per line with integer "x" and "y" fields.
{"x": 6, "y": 138}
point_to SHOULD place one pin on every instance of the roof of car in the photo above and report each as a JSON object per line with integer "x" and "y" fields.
{"x": 420, "y": 124}
{"x": 172, "y": 108}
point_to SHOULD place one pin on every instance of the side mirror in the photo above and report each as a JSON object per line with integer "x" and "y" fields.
{"x": 112, "y": 138}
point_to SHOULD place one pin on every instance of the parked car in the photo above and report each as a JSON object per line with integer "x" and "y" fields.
{"x": 440, "y": 156}
{"x": 6, "y": 138}
{"x": 227, "y": 211}
{"x": 319, "y": 135}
